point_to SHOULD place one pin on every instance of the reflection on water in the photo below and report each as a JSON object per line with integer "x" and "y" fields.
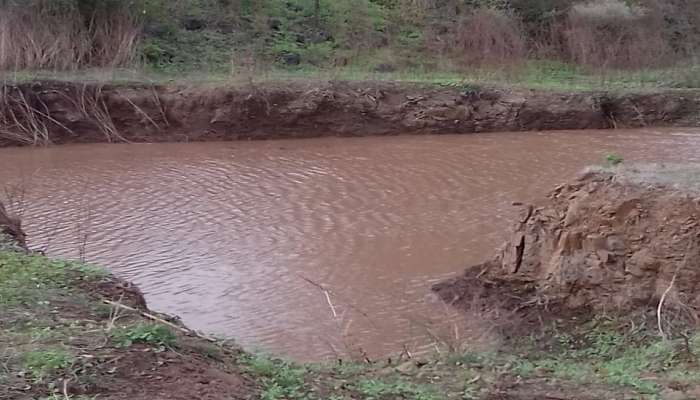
{"x": 235, "y": 237}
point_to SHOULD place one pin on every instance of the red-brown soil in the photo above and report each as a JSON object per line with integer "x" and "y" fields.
{"x": 601, "y": 244}
{"x": 78, "y": 113}
{"x": 195, "y": 370}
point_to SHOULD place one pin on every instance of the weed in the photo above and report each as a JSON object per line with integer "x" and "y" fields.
{"x": 613, "y": 159}
{"x": 40, "y": 333}
{"x": 618, "y": 373}
{"x": 471, "y": 359}
{"x": 210, "y": 351}
{"x": 41, "y": 363}
{"x": 373, "y": 389}
{"x": 28, "y": 279}
{"x": 151, "y": 334}
{"x": 628, "y": 368}
{"x": 601, "y": 344}
{"x": 347, "y": 369}
{"x": 566, "y": 369}
{"x": 281, "y": 379}
{"x": 524, "y": 368}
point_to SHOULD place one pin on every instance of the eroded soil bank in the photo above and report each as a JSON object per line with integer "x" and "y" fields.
{"x": 59, "y": 112}
{"x": 609, "y": 241}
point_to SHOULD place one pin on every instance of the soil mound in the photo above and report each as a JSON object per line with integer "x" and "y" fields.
{"x": 610, "y": 241}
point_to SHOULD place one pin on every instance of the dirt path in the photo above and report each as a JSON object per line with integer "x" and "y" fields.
{"x": 58, "y": 112}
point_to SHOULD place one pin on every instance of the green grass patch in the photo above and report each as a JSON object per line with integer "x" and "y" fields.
{"x": 613, "y": 160}
{"x": 377, "y": 389}
{"x": 42, "y": 363}
{"x": 281, "y": 380}
{"x": 28, "y": 280}
{"x": 25, "y": 279}
{"x": 145, "y": 333}
{"x": 533, "y": 74}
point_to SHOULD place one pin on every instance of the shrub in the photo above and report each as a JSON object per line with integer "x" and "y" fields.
{"x": 489, "y": 36}
{"x": 46, "y": 34}
{"x": 613, "y": 34}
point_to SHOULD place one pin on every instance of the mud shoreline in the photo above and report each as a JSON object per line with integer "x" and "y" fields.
{"x": 128, "y": 351}
{"x": 50, "y": 112}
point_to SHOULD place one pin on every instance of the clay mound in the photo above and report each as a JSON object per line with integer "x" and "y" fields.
{"x": 609, "y": 241}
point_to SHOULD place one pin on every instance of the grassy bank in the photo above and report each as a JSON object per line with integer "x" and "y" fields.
{"x": 59, "y": 339}
{"x": 542, "y": 75}
{"x": 554, "y": 44}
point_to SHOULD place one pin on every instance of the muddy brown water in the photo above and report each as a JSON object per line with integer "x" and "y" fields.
{"x": 226, "y": 235}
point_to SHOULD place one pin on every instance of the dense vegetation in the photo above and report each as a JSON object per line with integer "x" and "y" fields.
{"x": 375, "y": 35}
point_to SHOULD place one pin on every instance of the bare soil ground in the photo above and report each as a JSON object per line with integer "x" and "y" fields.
{"x": 613, "y": 240}
{"x": 60, "y": 112}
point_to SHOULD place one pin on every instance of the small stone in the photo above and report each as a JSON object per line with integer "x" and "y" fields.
{"x": 406, "y": 367}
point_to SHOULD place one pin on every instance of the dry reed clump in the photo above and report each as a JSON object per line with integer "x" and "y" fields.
{"x": 23, "y": 118}
{"x": 613, "y": 34}
{"x": 54, "y": 35}
{"x": 489, "y": 36}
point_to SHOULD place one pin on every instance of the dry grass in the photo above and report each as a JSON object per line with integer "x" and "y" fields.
{"x": 489, "y": 36}
{"x": 44, "y": 35}
{"x": 93, "y": 106}
{"x": 684, "y": 177}
{"x": 613, "y": 34}
{"x": 23, "y": 118}
{"x": 114, "y": 39}
{"x": 26, "y": 120}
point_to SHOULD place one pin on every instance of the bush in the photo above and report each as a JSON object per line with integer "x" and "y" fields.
{"x": 489, "y": 36}
{"x": 67, "y": 34}
{"x": 613, "y": 34}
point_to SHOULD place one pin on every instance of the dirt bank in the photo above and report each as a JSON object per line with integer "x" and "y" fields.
{"x": 608, "y": 242}
{"x": 57, "y": 112}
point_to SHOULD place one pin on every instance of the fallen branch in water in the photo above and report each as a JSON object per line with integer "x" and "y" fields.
{"x": 343, "y": 299}
{"x": 338, "y": 319}
{"x": 325, "y": 292}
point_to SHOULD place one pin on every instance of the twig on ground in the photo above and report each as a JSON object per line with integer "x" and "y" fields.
{"x": 65, "y": 389}
{"x": 160, "y": 320}
{"x": 659, "y": 309}
{"x": 661, "y": 305}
